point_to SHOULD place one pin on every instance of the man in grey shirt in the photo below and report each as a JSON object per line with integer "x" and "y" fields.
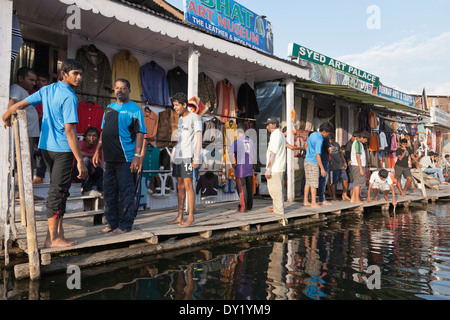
{"x": 26, "y": 80}
{"x": 187, "y": 157}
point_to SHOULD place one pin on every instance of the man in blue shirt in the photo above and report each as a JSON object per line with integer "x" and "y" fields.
{"x": 313, "y": 163}
{"x": 59, "y": 144}
{"x": 122, "y": 142}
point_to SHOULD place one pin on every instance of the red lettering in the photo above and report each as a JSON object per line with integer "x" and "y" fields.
{"x": 192, "y": 7}
{"x": 255, "y": 38}
{"x": 222, "y": 22}
{"x": 201, "y": 11}
{"x": 210, "y": 13}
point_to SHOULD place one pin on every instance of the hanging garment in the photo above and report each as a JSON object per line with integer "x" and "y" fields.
{"x": 151, "y": 162}
{"x": 226, "y": 100}
{"x": 383, "y": 141}
{"x": 155, "y": 88}
{"x": 126, "y": 66}
{"x": 207, "y": 92}
{"x": 96, "y": 75}
{"x": 17, "y": 40}
{"x": 165, "y": 158}
{"x": 90, "y": 114}
{"x": 151, "y": 124}
{"x": 178, "y": 81}
{"x": 246, "y": 102}
{"x": 207, "y": 185}
{"x": 213, "y": 131}
{"x": 373, "y": 120}
{"x": 374, "y": 143}
{"x": 167, "y": 128}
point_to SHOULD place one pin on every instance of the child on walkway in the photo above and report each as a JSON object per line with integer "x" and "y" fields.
{"x": 381, "y": 181}
{"x": 359, "y": 163}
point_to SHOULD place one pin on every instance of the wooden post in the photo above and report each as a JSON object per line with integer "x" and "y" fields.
{"x": 5, "y": 70}
{"x": 290, "y": 107}
{"x": 15, "y": 126}
{"x": 32, "y": 245}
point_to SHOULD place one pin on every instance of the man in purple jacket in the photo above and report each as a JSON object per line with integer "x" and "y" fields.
{"x": 243, "y": 153}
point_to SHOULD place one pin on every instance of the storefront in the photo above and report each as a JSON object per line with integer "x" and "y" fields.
{"x": 121, "y": 39}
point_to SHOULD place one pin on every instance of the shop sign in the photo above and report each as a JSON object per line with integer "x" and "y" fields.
{"x": 440, "y": 117}
{"x": 331, "y": 71}
{"x": 232, "y": 21}
{"x": 395, "y": 95}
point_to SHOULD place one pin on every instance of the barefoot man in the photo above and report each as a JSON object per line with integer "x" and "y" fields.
{"x": 59, "y": 145}
{"x": 187, "y": 157}
{"x": 313, "y": 163}
{"x": 381, "y": 181}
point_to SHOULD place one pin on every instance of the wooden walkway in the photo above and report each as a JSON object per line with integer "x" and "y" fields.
{"x": 152, "y": 235}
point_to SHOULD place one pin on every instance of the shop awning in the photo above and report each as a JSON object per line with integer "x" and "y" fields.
{"x": 354, "y": 95}
{"x": 151, "y": 33}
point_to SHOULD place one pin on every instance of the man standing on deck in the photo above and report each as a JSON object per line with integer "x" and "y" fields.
{"x": 276, "y": 165}
{"x": 58, "y": 143}
{"x": 122, "y": 139}
{"x": 187, "y": 157}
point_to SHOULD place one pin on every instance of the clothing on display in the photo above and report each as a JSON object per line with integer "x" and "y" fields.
{"x": 226, "y": 100}
{"x": 177, "y": 79}
{"x": 96, "y": 76}
{"x": 207, "y": 92}
{"x": 126, "y": 66}
{"x": 90, "y": 114}
{"x": 167, "y": 128}
{"x": 151, "y": 124}
{"x": 246, "y": 101}
{"x": 207, "y": 185}
{"x": 155, "y": 87}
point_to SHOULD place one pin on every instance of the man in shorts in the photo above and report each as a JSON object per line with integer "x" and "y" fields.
{"x": 381, "y": 181}
{"x": 187, "y": 157}
{"x": 338, "y": 167}
{"x": 313, "y": 163}
{"x": 359, "y": 164}
{"x": 402, "y": 166}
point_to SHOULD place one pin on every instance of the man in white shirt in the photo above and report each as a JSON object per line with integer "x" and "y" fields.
{"x": 276, "y": 164}
{"x": 430, "y": 168}
{"x": 381, "y": 181}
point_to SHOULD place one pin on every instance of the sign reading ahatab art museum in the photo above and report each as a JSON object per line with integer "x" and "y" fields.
{"x": 232, "y": 21}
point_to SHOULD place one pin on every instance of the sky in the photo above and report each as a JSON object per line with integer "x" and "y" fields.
{"x": 405, "y": 43}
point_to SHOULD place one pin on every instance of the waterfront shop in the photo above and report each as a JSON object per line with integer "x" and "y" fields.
{"x": 353, "y": 100}
{"x": 222, "y": 55}
{"x": 439, "y": 125}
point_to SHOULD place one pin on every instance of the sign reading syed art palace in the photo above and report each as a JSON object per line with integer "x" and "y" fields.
{"x": 232, "y": 21}
{"x": 327, "y": 70}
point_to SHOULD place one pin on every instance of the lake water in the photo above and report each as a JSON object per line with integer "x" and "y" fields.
{"x": 374, "y": 256}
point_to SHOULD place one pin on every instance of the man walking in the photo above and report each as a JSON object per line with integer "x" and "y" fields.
{"x": 187, "y": 157}
{"x": 58, "y": 144}
{"x": 276, "y": 165}
{"x": 243, "y": 152}
{"x": 122, "y": 139}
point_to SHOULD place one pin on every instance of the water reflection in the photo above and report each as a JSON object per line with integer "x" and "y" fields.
{"x": 405, "y": 255}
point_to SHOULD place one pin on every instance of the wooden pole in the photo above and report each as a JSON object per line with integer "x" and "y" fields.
{"x": 19, "y": 169}
{"x": 32, "y": 244}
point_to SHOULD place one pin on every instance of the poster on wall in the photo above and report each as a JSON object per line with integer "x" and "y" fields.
{"x": 232, "y": 21}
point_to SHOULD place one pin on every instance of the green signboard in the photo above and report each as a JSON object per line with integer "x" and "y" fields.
{"x": 297, "y": 51}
